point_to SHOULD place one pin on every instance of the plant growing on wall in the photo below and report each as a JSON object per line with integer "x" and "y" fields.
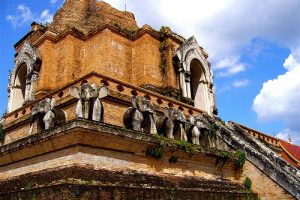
{"x": 248, "y": 183}
{"x": 212, "y": 130}
{"x": 163, "y": 48}
{"x": 241, "y": 158}
{"x": 155, "y": 151}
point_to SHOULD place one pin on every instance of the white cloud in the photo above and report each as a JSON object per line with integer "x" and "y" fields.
{"x": 228, "y": 67}
{"x": 287, "y": 135}
{"x": 45, "y": 17}
{"x": 24, "y": 15}
{"x": 225, "y": 28}
{"x": 283, "y": 135}
{"x": 279, "y": 99}
{"x": 53, "y": 1}
{"x": 240, "y": 83}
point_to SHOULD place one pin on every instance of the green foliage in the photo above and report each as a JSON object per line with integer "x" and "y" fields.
{"x": 224, "y": 158}
{"x": 155, "y": 151}
{"x": 248, "y": 183}
{"x": 1, "y": 133}
{"x": 173, "y": 159}
{"x": 186, "y": 146}
{"x": 241, "y": 158}
{"x": 163, "y": 48}
{"x": 212, "y": 130}
{"x": 164, "y": 31}
{"x": 117, "y": 25}
{"x": 177, "y": 144}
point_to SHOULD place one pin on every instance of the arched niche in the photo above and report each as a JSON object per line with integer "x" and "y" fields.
{"x": 22, "y": 83}
{"x": 198, "y": 87}
{"x": 196, "y": 77}
{"x": 19, "y": 87}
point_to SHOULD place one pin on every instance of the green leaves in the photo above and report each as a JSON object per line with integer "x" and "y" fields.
{"x": 248, "y": 183}
{"x": 241, "y": 159}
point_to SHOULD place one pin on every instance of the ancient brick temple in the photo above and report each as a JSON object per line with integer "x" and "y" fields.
{"x": 100, "y": 108}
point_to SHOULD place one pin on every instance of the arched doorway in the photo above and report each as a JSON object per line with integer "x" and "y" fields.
{"x": 19, "y": 87}
{"x": 198, "y": 85}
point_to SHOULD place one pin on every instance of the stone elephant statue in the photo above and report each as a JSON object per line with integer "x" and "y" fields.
{"x": 47, "y": 115}
{"x": 172, "y": 124}
{"x": 141, "y": 115}
{"x": 197, "y": 126}
{"x": 201, "y": 128}
{"x": 89, "y": 105}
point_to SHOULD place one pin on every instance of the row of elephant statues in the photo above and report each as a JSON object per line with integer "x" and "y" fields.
{"x": 88, "y": 106}
{"x": 141, "y": 116}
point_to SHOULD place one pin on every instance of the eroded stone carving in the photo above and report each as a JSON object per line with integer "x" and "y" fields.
{"x": 89, "y": 105}
{"x": 196, "y": 128}
{"x": 47, "y": 115}
{"x": 141, "y": 115}
{"x": 172, "y": 124}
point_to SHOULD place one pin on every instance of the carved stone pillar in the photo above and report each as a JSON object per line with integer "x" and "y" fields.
{"x": 182, "y": 81}
{"x": 27, "y": 88}
{"x": 187, "y": 78}
{"x": 33, "y": 81}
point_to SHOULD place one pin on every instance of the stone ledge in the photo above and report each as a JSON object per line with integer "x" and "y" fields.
{"x": 89, "y": 133}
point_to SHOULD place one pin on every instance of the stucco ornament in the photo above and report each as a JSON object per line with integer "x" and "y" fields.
{"x": 28, "y": 55}
{"x": 172, "y": 124}
{"x": 89, "y": 105}
{"x": 196, "y": 128}
{"x": 47, "y": 115}
{"x": 141, "y": 115}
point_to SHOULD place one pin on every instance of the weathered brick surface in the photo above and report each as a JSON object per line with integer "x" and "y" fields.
{"x": 87, "y": 183}
{"x": 261, "y": 184}
{"x": 88, "y": 14}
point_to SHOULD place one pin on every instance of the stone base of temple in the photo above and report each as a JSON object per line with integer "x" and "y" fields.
{"x": 90, "y": 160}
{"x": 79, "y": 182}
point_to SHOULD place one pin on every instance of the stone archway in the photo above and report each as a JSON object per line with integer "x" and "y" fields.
{"x": 196, "y": 77}
{"x": 22, "y": 83}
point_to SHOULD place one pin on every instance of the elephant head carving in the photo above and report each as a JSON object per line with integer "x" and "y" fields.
{"x": 172, "y": 124}
{"x": 89, "y": 105}
{"x": 141, "y": 115}
{"x": 47, "y": 115}
{"x": 196, "y": 128}
{"x": 201, "y": 131}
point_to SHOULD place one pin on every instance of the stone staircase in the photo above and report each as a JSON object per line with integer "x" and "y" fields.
{"x": 265, "y": 159}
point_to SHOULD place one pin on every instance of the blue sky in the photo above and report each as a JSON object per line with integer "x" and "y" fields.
{"x": 254, "y": 48}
